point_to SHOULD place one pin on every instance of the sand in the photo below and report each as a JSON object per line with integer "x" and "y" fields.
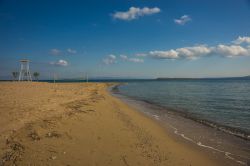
{"x": 83, "y": 124}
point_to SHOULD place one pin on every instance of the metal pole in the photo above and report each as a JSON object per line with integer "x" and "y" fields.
{"x": 54, "y": 78}
{"x": 20, "y": 73}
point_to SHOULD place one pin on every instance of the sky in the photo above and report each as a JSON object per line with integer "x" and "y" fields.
{"x": 126, "y": 38}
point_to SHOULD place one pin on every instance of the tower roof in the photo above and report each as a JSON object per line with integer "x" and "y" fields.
{"x": 24, "y": 60}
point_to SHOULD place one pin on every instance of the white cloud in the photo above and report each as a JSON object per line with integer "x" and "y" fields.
{"x": 231, "y": 51}
{"x": 134, "y": 13}
{"x": 71, "y": 51}
{"x": 183, "y": 20}
{"x": 170, "y": 54}
{"x": 111, "y": 59}
{"x": 55, "y": 51}
{"x": 193, "y": 52}
{"x": 61, "y": 62}
{"x": 241, "y": 40}
{"x": 135, "y": 60}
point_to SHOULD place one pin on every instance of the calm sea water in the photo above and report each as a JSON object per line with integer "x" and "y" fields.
{"x": 223, "y": 102}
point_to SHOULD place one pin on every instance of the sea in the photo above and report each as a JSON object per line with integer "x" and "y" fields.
{"x": 212, "y": 114}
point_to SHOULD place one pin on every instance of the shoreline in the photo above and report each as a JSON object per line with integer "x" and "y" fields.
{"x": 143, "y": 105}
{"x": 90, "y": 127}
{"x": 226, "y": 129}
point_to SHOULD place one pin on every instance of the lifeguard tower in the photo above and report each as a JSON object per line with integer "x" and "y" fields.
{"x": 24, "y": 74}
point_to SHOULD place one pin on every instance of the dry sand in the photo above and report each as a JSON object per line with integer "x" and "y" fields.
{"x": 82, "y": 124}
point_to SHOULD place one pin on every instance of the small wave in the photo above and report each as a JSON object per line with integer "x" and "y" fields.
{"x": 227, "y": 154}
{"x": 226, "y": 129}
{"x": 156, "y": 117}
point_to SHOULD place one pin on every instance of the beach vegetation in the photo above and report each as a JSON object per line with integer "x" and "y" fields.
{"x": 15, "y": 75}
{"x": 36, "y": 75}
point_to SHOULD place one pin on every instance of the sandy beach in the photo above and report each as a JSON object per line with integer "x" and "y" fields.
{"x": 83, "y": 124}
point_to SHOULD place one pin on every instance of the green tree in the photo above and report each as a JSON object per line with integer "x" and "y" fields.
{"x": 15, "y": 74}
{"x": 36, "y": 75}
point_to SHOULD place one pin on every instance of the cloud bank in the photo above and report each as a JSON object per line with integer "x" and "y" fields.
{"x": 135, "y": 13}
{"x": 194, "y": 52}
{"x": 242, "y": 48}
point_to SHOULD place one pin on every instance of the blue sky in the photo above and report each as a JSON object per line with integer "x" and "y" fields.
{"x": 126, "y": 38}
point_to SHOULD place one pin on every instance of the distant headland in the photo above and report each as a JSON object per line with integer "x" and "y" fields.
{"x": 204, "y": 78}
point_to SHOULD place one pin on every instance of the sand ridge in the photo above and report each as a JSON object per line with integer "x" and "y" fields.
{"x": 82, "y": 124}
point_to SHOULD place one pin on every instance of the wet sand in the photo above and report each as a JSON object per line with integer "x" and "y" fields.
{"x": 82, "y": 124}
